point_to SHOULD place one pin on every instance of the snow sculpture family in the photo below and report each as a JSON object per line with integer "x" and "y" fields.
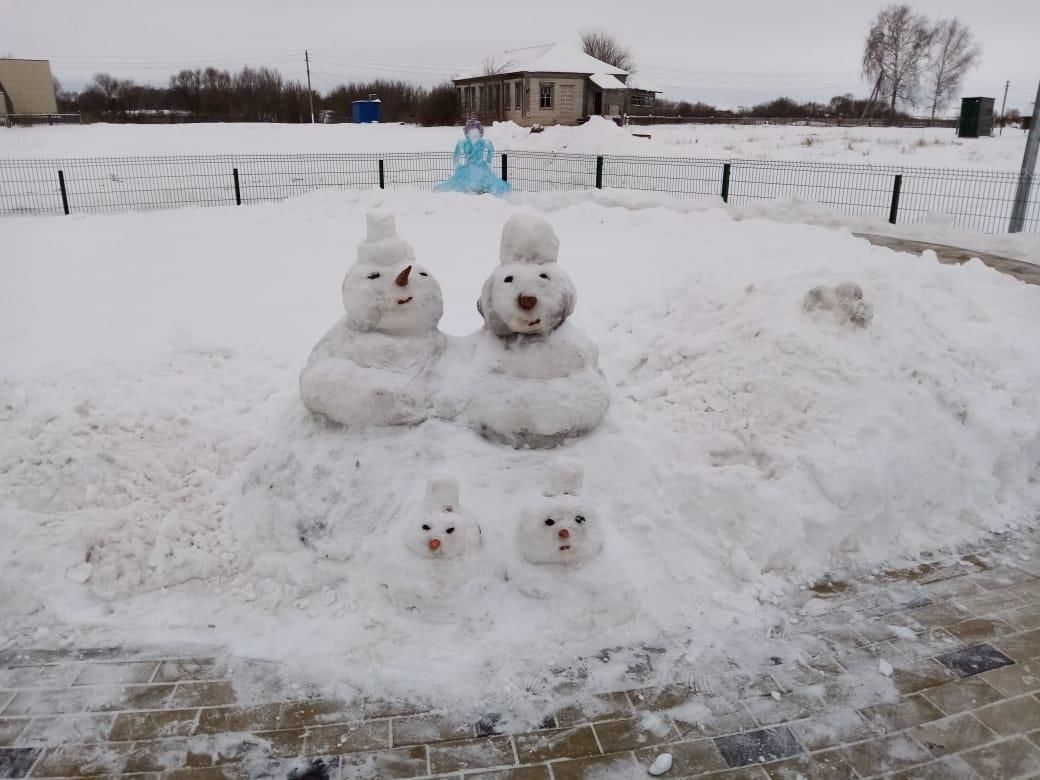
{"x": 535, "y": 378}
{"x": 528, "y": 379}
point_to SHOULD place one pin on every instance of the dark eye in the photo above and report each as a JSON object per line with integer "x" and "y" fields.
{"x": 550, "y": 521}
{"x": 508, "y": 280}
{"x": 374, "y": 275}
{"x": 425, "y": 527}
{"x": 579, "y": 519}
{"x": 450, "y": 530}
{"x": 544, "y": 276}
{"x": 423, "y": 273}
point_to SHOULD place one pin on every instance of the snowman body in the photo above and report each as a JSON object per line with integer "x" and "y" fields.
{"x": 373, "y": 367}
{"x": 536, "y": 377}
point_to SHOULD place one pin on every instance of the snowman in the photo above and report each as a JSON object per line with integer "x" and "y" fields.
{"x": 562, "y": 556}
{"x": 439, "y": 559}
{"x": 373, "y": 366}
{"x": 561, "y": 528}
{"x": 537, "y": 380}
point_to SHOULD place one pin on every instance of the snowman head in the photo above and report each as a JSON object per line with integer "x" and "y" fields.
{"x": 386, "y": 290}
{"x": 441, "y": 530}
{"x": 528, "y": 293}
{"x": 473, "y": 130}
{"x": 561, "y": 528}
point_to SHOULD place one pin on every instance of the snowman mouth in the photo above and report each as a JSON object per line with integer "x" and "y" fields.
{"x": 565, "y": 547}
{"x": 402, "y": 301}
{"x": 533, "y": 323}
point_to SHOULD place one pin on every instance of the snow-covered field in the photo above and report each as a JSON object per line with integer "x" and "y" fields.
{"x": 153, "y": 443}
{"x": 927, "y": 147}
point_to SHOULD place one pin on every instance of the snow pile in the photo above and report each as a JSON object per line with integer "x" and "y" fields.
{"x": 925, "y": 147}
{"x": 153, "y": 445}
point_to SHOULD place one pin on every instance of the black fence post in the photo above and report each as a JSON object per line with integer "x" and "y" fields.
{"x": 238, "y": 188}
{"x": 505, "y": 167}
{"x": 599, "y": 172}
{"x": 896, "y": 187}
{"x": 382, "y": 176}
{"x": 64, "y": 192}
{"x": 725, "y": 182}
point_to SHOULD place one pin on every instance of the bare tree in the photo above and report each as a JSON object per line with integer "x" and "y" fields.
{"x": 953, "y": 54}
{"x": 895, "y": 52}
{"x": 495, "y": 65}
{"x": 604, "y": 46}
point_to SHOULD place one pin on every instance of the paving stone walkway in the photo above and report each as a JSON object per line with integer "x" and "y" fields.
{"x": 950, "y": 255}
{"x": 955, "y": 642}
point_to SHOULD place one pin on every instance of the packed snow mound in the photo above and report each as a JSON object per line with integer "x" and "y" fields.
{"x": 160, "y": 478}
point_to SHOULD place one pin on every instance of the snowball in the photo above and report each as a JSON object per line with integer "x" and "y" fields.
{"x": 885, "y": 667}
{"x": 661, "y": 765}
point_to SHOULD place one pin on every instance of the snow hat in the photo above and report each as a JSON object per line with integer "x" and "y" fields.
{"x": 566, "y": 476}
{"x": 528, "y": 238}
{"x": 382, "y": 246}
{"x": 473, "y": 124}
{"x": 442, "y": 493}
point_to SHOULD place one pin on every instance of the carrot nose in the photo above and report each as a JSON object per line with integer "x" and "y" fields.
{"x": 527, "y": 302}
{"x": 564, "y": 533}
{"x": 402, "y": 278}
{"x": 435, "y": 544}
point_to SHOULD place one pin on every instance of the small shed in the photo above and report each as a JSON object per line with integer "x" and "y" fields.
{"x": 976, "y": 117}
{"x": 366, "y": 110}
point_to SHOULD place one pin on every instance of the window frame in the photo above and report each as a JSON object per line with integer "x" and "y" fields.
{"x": 542, "y": 87}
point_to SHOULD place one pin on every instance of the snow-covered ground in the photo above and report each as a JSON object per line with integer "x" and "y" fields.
{"x": 932, "y": 147}
{"x": 153, "y": 443}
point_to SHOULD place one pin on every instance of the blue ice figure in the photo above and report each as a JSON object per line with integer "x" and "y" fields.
{"x": 472, "y": 158}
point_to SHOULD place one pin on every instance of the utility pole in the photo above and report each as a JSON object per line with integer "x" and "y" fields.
{"x": 1003, "y": 105}
{"x": 1028, "y": 172}
{"x": 310, "y": 94}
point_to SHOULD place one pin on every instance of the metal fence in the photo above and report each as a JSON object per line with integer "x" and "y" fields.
{"x": 973, "y": 200}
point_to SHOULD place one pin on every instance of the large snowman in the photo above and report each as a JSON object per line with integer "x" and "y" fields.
{"x": 373, "y": 367}
{"x": 537, "y": 380}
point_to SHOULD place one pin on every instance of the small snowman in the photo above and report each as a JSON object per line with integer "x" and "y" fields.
{"x": 440, "y": 557}
{"x": 442, "y": 531}
{"x": 373, "y": 367}
{"x": 563, "y": 556}
{"x": 536, "y": 379}
{"x": 561, "y": 528}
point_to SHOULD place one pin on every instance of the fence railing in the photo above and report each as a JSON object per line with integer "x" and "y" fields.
{"x": 973, "y": 200}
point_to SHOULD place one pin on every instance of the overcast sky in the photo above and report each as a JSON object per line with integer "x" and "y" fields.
{"x": 727, "y": 52}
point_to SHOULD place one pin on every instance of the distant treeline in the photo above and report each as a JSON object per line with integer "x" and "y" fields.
{"x": 263, "y": 95}
{"x": 251, "y": 95}
{"x": 845, "y": 106}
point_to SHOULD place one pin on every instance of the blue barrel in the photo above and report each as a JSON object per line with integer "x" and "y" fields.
{"x": 366, "y": 110}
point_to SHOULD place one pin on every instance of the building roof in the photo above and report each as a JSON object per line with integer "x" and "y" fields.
{"x": 547, "y": 58}
{"x": 606, "y": 81}
{"x": 638, "y": 82}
